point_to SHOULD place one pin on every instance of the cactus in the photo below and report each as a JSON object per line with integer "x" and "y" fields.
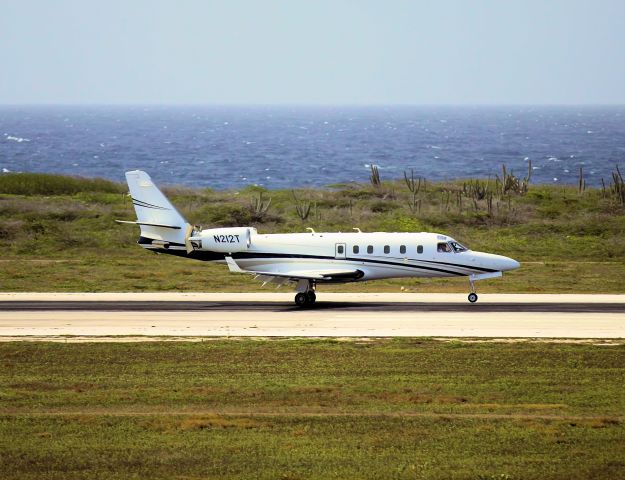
{"x": 375, "y": 177}
{"x": 302, "y": 207}
{"x": 489, "y": 203}
{"x": 475, "y": 189}
{"x": 259, "y": 207}
{"x": 581, "y": 183}
{"x": 511, "y": 184}
{"x": 414, "y": 185}
{"x": 618, "y": 186}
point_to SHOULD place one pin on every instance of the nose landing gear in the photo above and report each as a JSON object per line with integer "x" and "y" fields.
{"x": 479, "y": 276}
{"x": 472, "y": 295}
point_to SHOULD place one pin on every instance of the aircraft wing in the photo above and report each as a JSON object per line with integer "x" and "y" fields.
{"x": 321, "y": 274}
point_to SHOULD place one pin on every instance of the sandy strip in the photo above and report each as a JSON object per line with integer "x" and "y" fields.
{"x": 311, "y": 323}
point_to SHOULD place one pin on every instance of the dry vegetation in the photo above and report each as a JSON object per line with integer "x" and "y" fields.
{"x": 58, "y": 233}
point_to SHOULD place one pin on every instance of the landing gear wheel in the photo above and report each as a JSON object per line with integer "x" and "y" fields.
{"x": 311, "y": 297}
{"x": 472, "y": 297}
{"x": 301, "y": 299}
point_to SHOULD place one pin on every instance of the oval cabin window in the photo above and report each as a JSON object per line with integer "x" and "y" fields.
{"x": 402, "y": 249}
{"x": 387, "y": 249}
{"x": 355, "y": 249}
{"x": 370, "y": 249}
{"x": 420, "y": 249}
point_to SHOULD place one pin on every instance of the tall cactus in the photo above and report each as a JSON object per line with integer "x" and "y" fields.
{"x": 302, "y": 207}
{"x": 259, "y": 207}
{"x": 374, "y": 178}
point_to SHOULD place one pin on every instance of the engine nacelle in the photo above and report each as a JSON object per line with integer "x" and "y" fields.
{"x": 226, "y": 240}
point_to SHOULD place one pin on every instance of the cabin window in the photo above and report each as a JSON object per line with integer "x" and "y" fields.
{"x": 370, "y": 249}
{"x": 387, "y": 249}
{"x": 457, "y": 247}
{"x": 355, "y": 249}
{"x": 420, "y": 249}
{"x": 402, "y": 249}
{"x": 443, "y": 247}
{"x": 339, "y": 249}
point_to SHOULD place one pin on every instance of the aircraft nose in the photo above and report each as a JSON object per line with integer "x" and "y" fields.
{"x": 508, "y": 264}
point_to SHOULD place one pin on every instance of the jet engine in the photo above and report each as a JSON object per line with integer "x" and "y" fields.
{"x": 226, "y": 240}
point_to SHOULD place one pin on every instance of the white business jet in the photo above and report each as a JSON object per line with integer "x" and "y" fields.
{"x": 307, "y": 259}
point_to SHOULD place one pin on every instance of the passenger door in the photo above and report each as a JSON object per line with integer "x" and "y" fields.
{"x": 339, "y": 250}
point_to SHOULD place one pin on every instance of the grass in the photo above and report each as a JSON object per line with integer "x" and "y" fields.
{"x": 58, "y": 233}
{"x": 394, "y": 408}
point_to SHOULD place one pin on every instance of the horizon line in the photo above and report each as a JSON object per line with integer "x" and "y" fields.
{"x": 309, "y": 105}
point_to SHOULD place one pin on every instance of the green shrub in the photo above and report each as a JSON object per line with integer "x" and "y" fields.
{"x": 48, "y": 184}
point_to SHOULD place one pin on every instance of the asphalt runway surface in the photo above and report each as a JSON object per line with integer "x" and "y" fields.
{"x": 272, "y": 306}
{"x": 149, "y": 316}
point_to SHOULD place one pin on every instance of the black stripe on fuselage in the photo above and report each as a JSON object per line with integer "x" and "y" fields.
{"x": 459, "y": 265}
{"x": 214, "y": 256}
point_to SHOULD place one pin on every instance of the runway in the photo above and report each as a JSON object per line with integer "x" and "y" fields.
{"x": 106, "y": 316}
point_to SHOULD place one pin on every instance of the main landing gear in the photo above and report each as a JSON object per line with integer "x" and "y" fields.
{"x": 472, "y": 295}
{"x": 305, "y": 294}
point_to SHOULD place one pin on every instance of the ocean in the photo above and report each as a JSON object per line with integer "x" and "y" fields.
{"x": 280, "y": 147}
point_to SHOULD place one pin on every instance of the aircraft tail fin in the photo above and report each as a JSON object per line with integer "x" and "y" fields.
{"x": 157, "y": 217}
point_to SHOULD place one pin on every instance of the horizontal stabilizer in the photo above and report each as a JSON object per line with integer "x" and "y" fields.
{"x": 174, "y": 227}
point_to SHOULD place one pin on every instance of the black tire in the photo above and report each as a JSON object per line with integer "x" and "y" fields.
{"x": 311, "y": 297}
{"x": 472, "y": 297}
{"x": 301, "y": 299}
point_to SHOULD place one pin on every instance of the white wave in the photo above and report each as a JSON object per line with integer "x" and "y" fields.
{"x": 17, "y": 139}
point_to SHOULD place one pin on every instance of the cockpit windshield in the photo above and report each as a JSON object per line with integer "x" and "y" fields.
{"x": 458, "y": 247}
{"x": 443, "y": 247}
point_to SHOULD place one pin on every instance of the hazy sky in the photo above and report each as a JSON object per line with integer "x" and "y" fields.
{"x": 313, "y": 52}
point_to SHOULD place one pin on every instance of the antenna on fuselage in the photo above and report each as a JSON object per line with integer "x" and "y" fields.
{"x": 311, "y": 230}
{"x": 357, "y": 229}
